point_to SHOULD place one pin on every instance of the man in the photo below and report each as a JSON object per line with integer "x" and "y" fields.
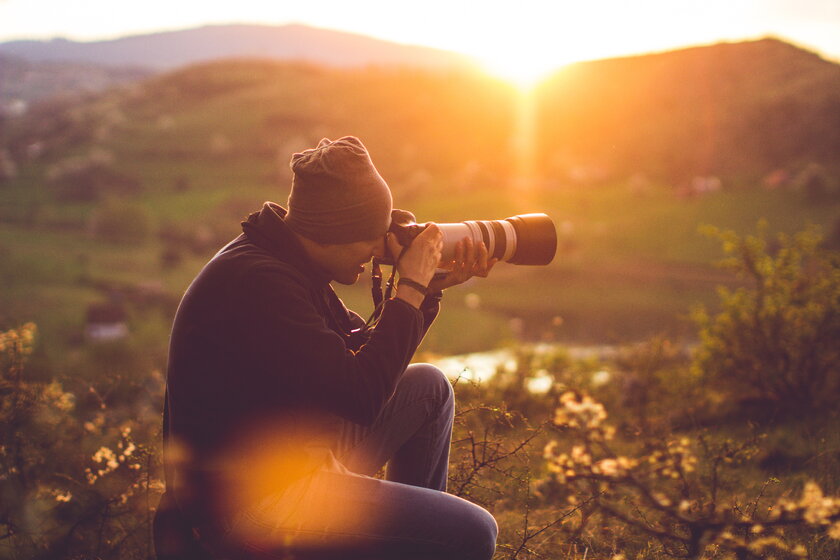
{"x": 282, "y": 404}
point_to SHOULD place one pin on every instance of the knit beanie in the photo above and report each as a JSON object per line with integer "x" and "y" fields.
{"x": 337, "y": 194}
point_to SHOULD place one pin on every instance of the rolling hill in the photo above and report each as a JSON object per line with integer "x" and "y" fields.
{"x": 173, "y": 49}
{"x": 734, "y": 110}
{"x": 137, "y": 186}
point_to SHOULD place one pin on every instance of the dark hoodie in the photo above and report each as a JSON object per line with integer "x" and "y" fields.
{"x": 262, "y": 344}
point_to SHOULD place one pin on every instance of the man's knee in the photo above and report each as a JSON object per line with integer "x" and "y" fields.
{"x": 479, "y": 534}
{"x": 429, "y": 380}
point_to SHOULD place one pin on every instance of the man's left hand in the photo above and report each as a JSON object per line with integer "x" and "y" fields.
{"x": 470, "y": 260}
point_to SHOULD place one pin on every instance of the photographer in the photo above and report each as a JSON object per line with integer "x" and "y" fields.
{"x": 282, "y": 404}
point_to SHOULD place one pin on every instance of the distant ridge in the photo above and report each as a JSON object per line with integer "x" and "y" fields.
{"x": 173, "y": 49}
{"x": 23, "y": 81}
{"x": 740, "y": 112}
{"x": 729, "y": 109}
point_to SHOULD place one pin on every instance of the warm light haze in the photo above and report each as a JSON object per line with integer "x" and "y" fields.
{"x": 521, "y": 40}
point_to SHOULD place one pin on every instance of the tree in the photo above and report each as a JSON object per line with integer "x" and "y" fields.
{"x": 776, "y": 337}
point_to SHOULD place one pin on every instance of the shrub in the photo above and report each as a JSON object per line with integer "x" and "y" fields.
{"x": 76, "y": 474}
{"x": 680, "y": 497}
{"x": 775, "y": 338}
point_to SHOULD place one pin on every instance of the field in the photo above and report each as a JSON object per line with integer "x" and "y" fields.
{"x": 628, "y": 266}
{"x": 117, "y": 201}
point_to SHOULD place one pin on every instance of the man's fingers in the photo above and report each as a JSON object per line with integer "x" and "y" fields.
{"x": 486, "y": 270}
{"x": 482, "y": 266}
{"x": 431, "y": 231}
{"x": 459, "y": 253}
{"x": 469, "y": 258}
{"x": 482, "y": 256}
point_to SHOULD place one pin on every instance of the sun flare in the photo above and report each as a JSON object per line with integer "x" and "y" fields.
{"x": 522, "y": 72}
{"x": 526, "y": 55}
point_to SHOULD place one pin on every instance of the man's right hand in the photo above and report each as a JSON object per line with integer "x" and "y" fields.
{"x": 418, "y": 262}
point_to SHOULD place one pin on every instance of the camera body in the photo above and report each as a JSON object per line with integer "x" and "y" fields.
{"x": 525, "y": 239}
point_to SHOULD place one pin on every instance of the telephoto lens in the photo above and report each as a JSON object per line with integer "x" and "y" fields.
{"x": 529, "y": 239}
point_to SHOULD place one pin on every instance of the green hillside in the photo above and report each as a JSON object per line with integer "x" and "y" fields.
{"x": 110, "y": 205}
{"x": 123, "y": 197}
{"x": 739, "y": 111}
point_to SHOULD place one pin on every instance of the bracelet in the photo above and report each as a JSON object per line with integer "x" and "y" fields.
{"x": 414, "y": 284}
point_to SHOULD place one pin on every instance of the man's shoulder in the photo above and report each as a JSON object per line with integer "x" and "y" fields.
{"x": 245, "y": 259}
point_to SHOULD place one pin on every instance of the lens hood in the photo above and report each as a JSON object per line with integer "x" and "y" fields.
{"x": 536, "y": 239}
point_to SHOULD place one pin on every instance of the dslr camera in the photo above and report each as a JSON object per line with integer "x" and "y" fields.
{"x": 528, "y": 239}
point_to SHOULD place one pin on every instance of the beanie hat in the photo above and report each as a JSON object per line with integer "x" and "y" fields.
{"x": 337, "y": 194}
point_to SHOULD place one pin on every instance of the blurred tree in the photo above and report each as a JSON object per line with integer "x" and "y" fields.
{"x": 776, "y": 338}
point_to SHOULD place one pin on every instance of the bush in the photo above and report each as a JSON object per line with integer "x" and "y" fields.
{"x": 679, "y": 497}
{"x": 77, "y": 476}
{"x": 775, "y": 338}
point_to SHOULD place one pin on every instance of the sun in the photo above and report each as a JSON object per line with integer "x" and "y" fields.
{"x": 526, "y": 56}
{"x": 524, "y": 70}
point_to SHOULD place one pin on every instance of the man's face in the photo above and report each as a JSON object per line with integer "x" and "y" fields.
{"x": 345, "y": 262}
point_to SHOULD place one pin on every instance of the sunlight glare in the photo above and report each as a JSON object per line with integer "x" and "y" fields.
{"x": 528, "y": 54}
{"x": 522, "y": 70}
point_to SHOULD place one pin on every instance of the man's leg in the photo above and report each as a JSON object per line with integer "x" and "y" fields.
{"x": 412, "y": 434}
{"x": 342, "y": 515}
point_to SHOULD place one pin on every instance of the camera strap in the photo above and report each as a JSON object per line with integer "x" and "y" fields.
{"x": 376, "y": 288}
{"x": 376, "y": 283}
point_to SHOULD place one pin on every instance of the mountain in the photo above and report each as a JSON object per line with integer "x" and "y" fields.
{"x": 736, "y": 110}
{"x": 172, "y": 49}
{"x": 730, "y": 113}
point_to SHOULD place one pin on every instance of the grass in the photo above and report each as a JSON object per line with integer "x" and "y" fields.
{"x": 630, "y": 261}
{"x": 628, "y": 266}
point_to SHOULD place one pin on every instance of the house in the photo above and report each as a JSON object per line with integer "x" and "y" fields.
{"x": 106, "y": 322}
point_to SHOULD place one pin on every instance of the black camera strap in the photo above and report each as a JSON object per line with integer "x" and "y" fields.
{"x": 376, "y": 288}
{"x": 376, "y": 284}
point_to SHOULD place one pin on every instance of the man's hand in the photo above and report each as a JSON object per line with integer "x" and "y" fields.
{"x": 418, "y": 262}
{"x": 470, "y": 260}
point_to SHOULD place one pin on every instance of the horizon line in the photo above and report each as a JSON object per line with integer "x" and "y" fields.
{"x": 164, "y": 30}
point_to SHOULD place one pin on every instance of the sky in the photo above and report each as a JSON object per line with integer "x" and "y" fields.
{"x": 518, "y": 38}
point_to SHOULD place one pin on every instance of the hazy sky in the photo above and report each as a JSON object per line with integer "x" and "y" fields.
{"x": 528, "y": 35}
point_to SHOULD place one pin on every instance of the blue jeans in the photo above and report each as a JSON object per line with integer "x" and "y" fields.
{"x": 340, "y": 511}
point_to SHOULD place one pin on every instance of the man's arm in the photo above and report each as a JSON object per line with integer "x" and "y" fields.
{"x": 288, "y": 338}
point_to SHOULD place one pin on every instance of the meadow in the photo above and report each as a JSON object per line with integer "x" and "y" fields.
{"x": 653, "y": 451}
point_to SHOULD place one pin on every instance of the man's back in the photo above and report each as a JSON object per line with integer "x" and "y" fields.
{"x": 277, "y": 417}
{"x": 259, "y": 358}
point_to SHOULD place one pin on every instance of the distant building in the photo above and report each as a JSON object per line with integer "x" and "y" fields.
{"x": 699, "y": 186}
{"x": 106, "y": 322}
{"x": 8, "y": 169}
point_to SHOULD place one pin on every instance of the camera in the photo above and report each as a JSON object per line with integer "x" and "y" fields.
{"x": 528, "y": 239}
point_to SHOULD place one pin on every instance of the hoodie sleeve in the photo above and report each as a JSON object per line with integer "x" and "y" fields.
{"x": 289, "y": 340}
{"x": 429, "y": 309}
